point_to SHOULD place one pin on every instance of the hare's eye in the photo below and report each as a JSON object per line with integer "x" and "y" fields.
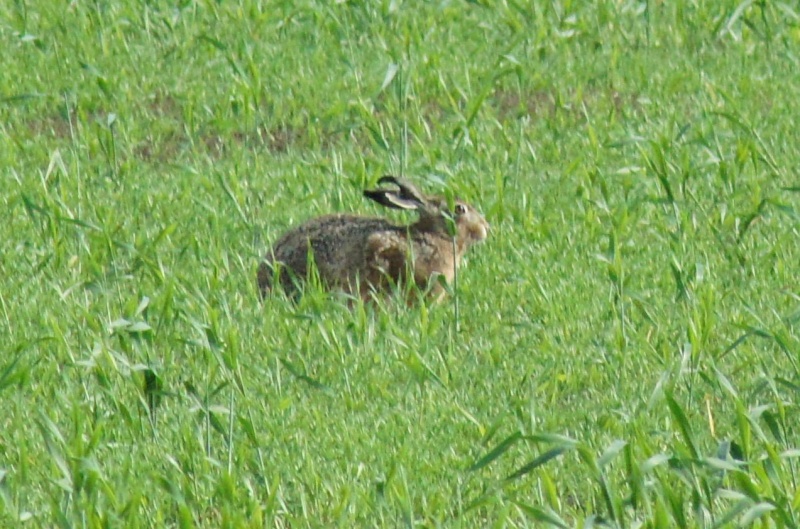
{"x": 460, "y": 209}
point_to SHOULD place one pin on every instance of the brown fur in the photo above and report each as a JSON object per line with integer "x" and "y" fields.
{"x": 364, "y": 255}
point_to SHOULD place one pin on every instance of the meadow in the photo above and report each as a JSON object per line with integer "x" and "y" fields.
{"x": 623, "y": 350}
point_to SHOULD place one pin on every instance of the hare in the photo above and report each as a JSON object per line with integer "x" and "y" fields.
{"x": 365, "y": 256}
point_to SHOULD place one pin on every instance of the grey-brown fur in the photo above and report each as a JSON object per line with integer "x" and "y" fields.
{"x": 364, "y": 255}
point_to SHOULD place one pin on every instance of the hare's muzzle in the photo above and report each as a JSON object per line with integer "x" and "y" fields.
{"x": 478, "y": 228}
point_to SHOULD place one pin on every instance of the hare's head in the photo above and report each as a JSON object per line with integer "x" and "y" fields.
{"x": 434, "y": 213}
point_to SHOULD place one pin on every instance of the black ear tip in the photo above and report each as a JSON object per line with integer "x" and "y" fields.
{"x": 389, "y": 179}
{"x": 381, "y": 196}
{"x": 375, "y": 195}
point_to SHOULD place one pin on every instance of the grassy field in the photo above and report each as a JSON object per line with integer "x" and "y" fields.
{"x": 627, "y": 347}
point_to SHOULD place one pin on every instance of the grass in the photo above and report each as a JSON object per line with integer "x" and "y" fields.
{"x": 626, "y": 353}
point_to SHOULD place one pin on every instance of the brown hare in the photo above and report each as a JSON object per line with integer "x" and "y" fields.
{"x": 364, "y": 256}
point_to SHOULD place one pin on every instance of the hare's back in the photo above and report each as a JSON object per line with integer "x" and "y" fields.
{"x": 336, "y": 241}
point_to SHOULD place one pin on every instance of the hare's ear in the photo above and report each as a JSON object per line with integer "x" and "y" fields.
{"x": 407, "y": 196}
{"x": 390, "y": 199}
{"x": 407, "y": 190}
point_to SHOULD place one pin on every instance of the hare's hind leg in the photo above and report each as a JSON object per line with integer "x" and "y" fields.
{"x": 387, "y": 262}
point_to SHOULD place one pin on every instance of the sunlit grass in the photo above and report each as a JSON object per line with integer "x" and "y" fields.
{"x": 626, "y": 350}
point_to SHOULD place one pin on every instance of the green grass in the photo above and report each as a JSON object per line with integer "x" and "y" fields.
{"x": 627, "y": 350}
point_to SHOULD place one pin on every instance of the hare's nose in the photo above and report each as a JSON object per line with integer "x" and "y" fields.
{"x": 482, "y": 231}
